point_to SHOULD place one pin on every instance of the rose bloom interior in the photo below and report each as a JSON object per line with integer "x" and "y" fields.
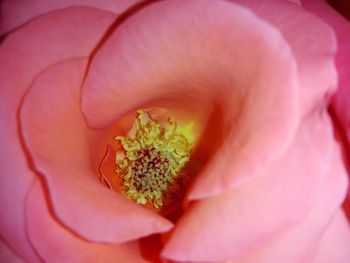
{"x": 174, "y": 131}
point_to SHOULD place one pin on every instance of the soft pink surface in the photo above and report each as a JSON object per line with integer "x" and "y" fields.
{"x": 341, "y": 27}
{"x": 300, "y": 243}
{"x": 7, "y": 254}
{"x": 22, "y": 56}
{"x": 240, "y": 221}
{"x": 136, "y": 66}
{"x": 334, "y": 246}
{"x": 215, "y": 56}
{"x": 56, "y": 136}
{"x": 55, "y": 243}
{"x": 15, "y": 13}
{"x": 316, "y": 72}
{"x": 340, "y": 101}
{"x": 317, "y": 75}
{"x": 292, "y": 182}
{"x": 268, "y": 79}
{"x": 297, "y": 2}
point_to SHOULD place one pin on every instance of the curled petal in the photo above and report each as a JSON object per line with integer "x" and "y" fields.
{"x": 248, "y": 217}
{"x": 316, "y": 70}
{"x": 205, "y": 57}
{"x": 15, "y": 13}
{"x": 57, "y": 137}
{"x": 54, "y": 243}
{"x": 312, "y": 234}
{"x": 23, "y": 55}
{"x": 341, "y": 26}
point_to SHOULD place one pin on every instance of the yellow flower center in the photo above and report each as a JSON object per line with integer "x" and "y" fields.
{"x": 151, "y": 160}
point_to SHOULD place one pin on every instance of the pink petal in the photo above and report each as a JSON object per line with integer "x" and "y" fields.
{"x": 22, "y": 56}
{"x": 15, "y": 13}
{"x": 316, "y": 70}
{"x": 205, "y": 57}
{"x": 300, "y": 243}
{"x": 54, "y": 243}
{"x": 57, "y": 137}
{"x": 7, "y": 254}
{"x": 297, "y": 2}
{"x": 341, "y": 27}
{"x": 242, "y": 220}
{"x": 335, "y": 243}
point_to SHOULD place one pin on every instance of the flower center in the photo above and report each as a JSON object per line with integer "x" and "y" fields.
{"x": 150, "y": 161}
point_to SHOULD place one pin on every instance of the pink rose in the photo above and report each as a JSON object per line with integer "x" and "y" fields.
{"x": 253, "y": 77}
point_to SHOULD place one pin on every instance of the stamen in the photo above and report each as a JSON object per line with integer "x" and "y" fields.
{"x": 151, "y": 161}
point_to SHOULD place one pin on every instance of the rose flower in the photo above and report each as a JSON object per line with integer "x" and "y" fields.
{"x": 173, "y": 131}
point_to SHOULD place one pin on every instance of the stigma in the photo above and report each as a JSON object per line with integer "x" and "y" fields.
{"x": 151, "y": 160}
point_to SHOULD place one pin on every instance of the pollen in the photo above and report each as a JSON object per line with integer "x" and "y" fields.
{"x": 151, "y": 160}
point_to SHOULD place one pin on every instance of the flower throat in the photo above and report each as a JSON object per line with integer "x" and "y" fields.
{"x": 150, "y": 163}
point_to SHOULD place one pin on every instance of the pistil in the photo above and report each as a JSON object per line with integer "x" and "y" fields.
{"x": 151, "y": 161}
